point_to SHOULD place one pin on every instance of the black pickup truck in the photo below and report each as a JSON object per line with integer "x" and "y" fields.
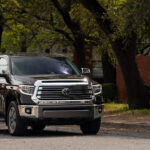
{"x": 37, "y": 91}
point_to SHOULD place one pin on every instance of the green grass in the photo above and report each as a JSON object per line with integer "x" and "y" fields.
{"x": 115, "y": 108}
{"x": 140, "y": 112}
{"x": 111, "y": 108}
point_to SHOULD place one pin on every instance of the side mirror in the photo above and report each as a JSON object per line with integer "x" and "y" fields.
{"x": 85, "y": 71}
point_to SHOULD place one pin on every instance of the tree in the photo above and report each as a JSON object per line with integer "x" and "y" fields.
{"x": 59, "y": 20}
{"x": 83, "y": 29}
{"x": 18, "y": 37}
{"x": 8, "y": 15}
{"x": 124, "y": 46}
{"x": 109, "y": 69}
{"x": 78, "y": 35}
{"x": 1, "y": 28}
{"x": 19, "y": 26}
{"x": 38, "y": 19}
{"x": 62, "y": 21}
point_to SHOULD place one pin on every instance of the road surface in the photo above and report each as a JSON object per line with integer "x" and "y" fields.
{"x": 70, "y": 138}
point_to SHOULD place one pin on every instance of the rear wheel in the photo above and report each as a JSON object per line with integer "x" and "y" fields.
{"x": 15, "y": 125}
{"x": 91, "y": 127}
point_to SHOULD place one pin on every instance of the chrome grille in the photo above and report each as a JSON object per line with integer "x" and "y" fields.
{"x": 78, "y": 92}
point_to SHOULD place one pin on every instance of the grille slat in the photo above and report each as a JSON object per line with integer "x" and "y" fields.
{"x": 81, "y": 92}
{"x": 71, "y": 93}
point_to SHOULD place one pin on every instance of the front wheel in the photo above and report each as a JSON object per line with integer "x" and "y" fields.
{"x": 15, "y": 125}
{"x": 91, "y": 127}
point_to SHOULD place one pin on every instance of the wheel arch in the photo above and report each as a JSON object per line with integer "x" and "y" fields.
{"x": 9, "y": 98}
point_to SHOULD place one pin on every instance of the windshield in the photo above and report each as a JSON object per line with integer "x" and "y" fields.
{"x": 42, "y": 66}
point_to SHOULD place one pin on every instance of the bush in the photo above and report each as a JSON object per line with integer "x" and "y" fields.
{"x": 109, "y": 92}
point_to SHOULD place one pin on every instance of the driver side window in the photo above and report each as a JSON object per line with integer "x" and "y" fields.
{"x": 3, "y": 66}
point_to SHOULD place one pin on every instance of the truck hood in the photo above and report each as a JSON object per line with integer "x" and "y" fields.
{"x": 30, "y": 80}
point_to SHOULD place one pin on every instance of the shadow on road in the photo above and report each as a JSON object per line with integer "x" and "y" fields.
{"x": 73, "y": 131}
{"x": 50, "y": 133}
{"x": 45, "y": 133}
{"x": 123, "y": 134}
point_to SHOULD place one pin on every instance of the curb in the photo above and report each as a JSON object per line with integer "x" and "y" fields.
{"x": 126, "y": 126}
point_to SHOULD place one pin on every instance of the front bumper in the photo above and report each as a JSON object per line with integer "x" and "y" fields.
{"x": 92, "y": 111}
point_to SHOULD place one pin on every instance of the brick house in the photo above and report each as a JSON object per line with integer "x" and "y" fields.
{"x": 143, "y": 63}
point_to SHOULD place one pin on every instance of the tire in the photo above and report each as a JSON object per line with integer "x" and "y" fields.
{"x": 16, "y": 126}
{"x": 38, "y": 126}
{"x": 91, "y": 127}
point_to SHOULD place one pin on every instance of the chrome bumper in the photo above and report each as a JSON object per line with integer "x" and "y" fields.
{"x": 93, "y": 111}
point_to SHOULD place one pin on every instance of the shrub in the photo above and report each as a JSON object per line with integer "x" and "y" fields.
{"x": 109, "y": 92}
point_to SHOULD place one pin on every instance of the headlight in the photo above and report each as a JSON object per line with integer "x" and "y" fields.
{"x": 97, "y": 89}
{"x": 26, "y": 89}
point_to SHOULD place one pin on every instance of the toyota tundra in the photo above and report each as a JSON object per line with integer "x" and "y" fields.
{"x": 36, "y": 91}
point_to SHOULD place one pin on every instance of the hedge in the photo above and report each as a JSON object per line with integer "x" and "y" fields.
{"x": 109, "y": 92}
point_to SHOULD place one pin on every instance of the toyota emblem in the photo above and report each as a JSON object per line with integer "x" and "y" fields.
{"x": 65, "y": 91}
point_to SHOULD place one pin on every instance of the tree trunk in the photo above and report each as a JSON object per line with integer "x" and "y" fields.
{"x": 78, "y": 40}
{"x": 134, "y": 85}
{"x": 23, "y": 46}
{"x": 80, "y": 52}
{"x": 1, "y": 29}
{"x": 109, "y": 70}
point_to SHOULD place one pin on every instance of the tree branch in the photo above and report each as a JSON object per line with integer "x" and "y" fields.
{"x": 65, "y": 34}
{"x": 74, "y": 27}
{"x": 98, "y": 11}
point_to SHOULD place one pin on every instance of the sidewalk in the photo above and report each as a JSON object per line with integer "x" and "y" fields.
{"x": 128, "y": 122}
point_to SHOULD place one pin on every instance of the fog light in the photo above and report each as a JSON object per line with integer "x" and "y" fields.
{"x": 28, "y": 110}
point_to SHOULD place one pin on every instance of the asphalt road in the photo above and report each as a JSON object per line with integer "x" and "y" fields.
{"x": 70, "y": 138}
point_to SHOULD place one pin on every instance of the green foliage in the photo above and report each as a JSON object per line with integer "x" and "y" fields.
{"x": 129, "y": 16}
{"x": 34, "y": 22}
{"x": 44, "y": 40}
{"x": 14, "y": 38}
{"x": 109, "y": 92}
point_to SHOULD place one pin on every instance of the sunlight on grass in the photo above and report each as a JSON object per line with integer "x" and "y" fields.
{"x": 111, "y": 108}
{"x": 115, "y": 108}
{"x": 140, "y": 112}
